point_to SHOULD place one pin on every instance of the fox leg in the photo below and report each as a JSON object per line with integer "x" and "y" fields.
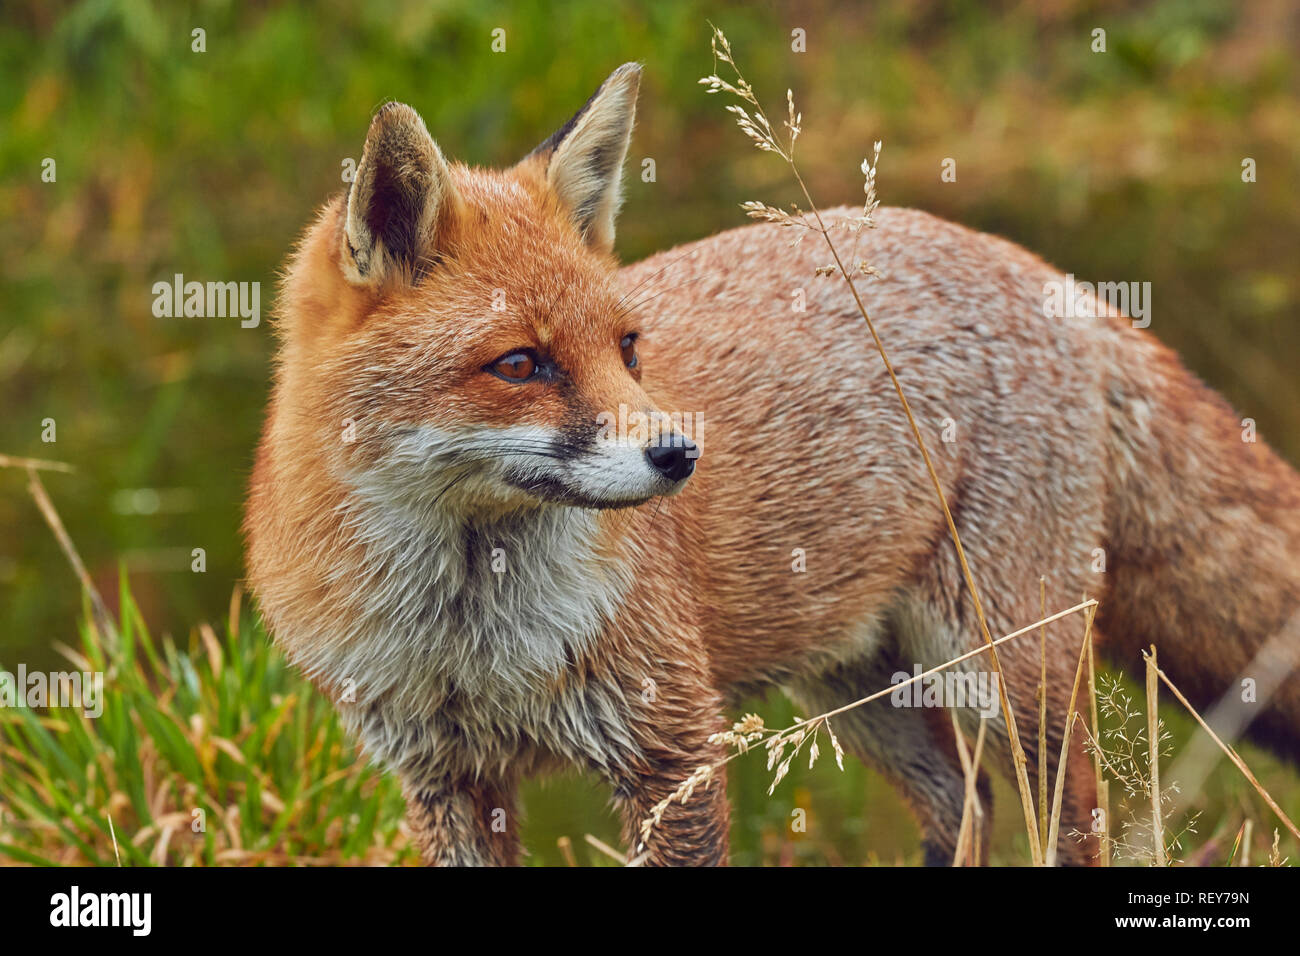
{"x": 693, "y": 833}
{"x": 466, "y": 825}
{"x": 671, "y": 729}
{"x": 912, "y": 747}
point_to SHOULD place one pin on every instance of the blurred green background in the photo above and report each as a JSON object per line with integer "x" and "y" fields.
{"x": 1123, "y": 165}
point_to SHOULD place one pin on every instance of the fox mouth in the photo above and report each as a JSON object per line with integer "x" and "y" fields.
{"x": 554, "y": 491}
{"x": 598, "y": 475}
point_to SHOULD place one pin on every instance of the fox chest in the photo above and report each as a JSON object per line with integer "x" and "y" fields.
{"x": 464, "y": 652}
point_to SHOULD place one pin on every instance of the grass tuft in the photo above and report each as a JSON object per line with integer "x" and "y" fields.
{"x": 211, "y": 754}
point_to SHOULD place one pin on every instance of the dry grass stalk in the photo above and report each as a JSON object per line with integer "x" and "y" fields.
{"x": 10, "y": 461}
{"x": 112, "y": 832}
{"x": 1153, "y": 717}
{"x": 1273, "y": 663}
{"x": 754, "y": 123}
{"x": 936, "y": 669}
{"x": 1275, "y": 857}
{"x": 1054, "y": 829}
{"x": 1227, "y": 750}
{"x": 972, "y": 813}
{"x": 565, "y": 846}
{"x": 1042, "y": 714}
{"x": 600, "y": 845}
{"x": 103, "y": 619}
{"x": 1247, "y": 831}
{"x": 236, "y": 599}
{"x": 1103, "y": 785}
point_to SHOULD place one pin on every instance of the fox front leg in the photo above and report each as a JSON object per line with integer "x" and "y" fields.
{"x": 693, "y": 833}
{"x": 465, "y": 825}
{"x": 674, "y": 798}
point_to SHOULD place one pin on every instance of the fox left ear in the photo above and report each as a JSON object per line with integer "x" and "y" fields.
{"x": 583, "y": 160}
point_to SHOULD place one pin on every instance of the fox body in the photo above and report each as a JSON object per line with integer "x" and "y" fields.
{"x": 446, "y": 539}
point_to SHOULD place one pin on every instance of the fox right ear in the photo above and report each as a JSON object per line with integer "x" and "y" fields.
{"x": 401, "y": 191}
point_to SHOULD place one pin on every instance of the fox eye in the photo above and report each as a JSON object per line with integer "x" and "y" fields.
{"x": 628, "y": 347}
{"x": 515, "y": 366}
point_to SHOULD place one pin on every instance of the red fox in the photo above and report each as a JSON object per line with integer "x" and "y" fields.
{"x": 456, "y": 534}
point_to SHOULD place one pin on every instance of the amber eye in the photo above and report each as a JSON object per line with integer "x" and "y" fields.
{"x": 515, "y": 366}
{"x": 628, "y": 346}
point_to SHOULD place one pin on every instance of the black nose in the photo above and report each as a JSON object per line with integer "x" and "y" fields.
{"x": 674, "y": 460}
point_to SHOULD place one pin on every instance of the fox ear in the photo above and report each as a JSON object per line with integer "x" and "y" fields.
{"x": 584, "y": 158}
{"x": 400, "y": 193}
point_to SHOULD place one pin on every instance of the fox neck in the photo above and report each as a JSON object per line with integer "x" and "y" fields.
{"x": 467, "y": 623}
{"x": 480, "y": 601}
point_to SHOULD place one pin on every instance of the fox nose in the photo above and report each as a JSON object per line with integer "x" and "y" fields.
{"x": 674, "y": 460}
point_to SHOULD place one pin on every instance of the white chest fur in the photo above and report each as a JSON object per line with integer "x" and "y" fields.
{"x": 460, "y": 630}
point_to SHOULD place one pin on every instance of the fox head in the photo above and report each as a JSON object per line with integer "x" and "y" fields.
{"x": 463, "y": 329}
